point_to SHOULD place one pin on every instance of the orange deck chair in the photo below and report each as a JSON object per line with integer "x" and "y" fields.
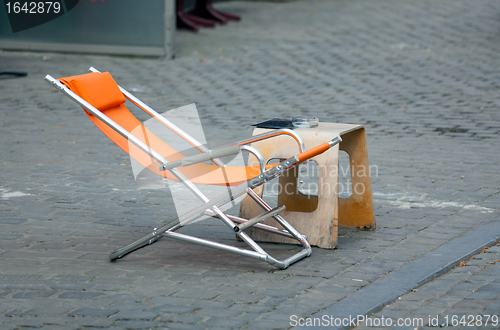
{"x": 104, "y": 102}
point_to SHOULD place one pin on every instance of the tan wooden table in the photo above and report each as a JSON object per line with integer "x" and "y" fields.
{"x": 319, "y": 216}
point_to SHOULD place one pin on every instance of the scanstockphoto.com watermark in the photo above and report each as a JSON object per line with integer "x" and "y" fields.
{"x": 352, "y": 321}
{"x": 362, "y": 320}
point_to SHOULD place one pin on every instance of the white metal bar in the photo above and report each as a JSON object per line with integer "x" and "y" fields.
{"x": 278, "y": 218}
{"x": 260, "y": 218}
{"x": 216, "y": 245}
{"x": 159, "y": 117}
{"x": 87, "y": 106}
{"x": 260, "y": 226}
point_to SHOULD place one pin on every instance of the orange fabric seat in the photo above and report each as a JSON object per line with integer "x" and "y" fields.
{"x": 102, "y": 92}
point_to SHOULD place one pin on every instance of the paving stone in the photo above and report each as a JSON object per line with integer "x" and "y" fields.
{"x": 174, "y": 309}
{"x": 484, "y": 295}
{"x": 79, "y": 295}
{"x": 34, "y": 294}
{"x": 94, "y": 312}
{"x": 181, "y": 326}
{"x": 470, "y": 305}
{"x": 97, "y": 322}
{"x": 21, "y": 313}
{"x": 225, "y": 323}
{"x": 135, "y": 315}
{"x": 187, "y": 319}
{"x": 136, "y": 324}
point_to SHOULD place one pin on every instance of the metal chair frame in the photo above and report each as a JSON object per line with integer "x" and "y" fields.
{"x": 210, "y": 207}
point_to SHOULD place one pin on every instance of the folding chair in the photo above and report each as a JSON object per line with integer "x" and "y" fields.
{"x": 103, "y": 101}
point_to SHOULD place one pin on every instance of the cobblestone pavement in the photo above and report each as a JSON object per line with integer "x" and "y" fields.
{"x": 467, "y": 297}
{"x": 423, "y": 78}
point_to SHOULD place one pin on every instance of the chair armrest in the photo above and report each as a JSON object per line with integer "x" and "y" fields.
{"x": 318, "y": 149}
{"x": 210, "y": 154}
{"x": 257, "y": 154}
{"x": 271, "y": 134}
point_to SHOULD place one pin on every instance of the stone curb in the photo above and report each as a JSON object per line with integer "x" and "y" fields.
{"x": 431, "y": 265}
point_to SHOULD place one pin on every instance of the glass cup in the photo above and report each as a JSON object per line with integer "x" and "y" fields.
{"x": 305, "y": 121}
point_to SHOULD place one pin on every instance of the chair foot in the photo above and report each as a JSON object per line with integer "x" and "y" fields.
{"x": 117, "y": 254}
{"x": 306, "y": 252}
{"x": 149, "y": 239}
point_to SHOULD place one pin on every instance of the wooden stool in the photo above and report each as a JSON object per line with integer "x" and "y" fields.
{"x": 318, "y": 217}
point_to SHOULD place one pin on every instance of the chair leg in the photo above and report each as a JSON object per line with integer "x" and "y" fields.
{"x": 302, "y": 239}
{"x": 169, "y": 229}
{"x": 149, "y": 239}
{"x": 258, "y": 253}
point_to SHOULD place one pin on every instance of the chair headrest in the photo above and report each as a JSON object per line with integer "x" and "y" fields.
{"x": 98, "y": 89}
